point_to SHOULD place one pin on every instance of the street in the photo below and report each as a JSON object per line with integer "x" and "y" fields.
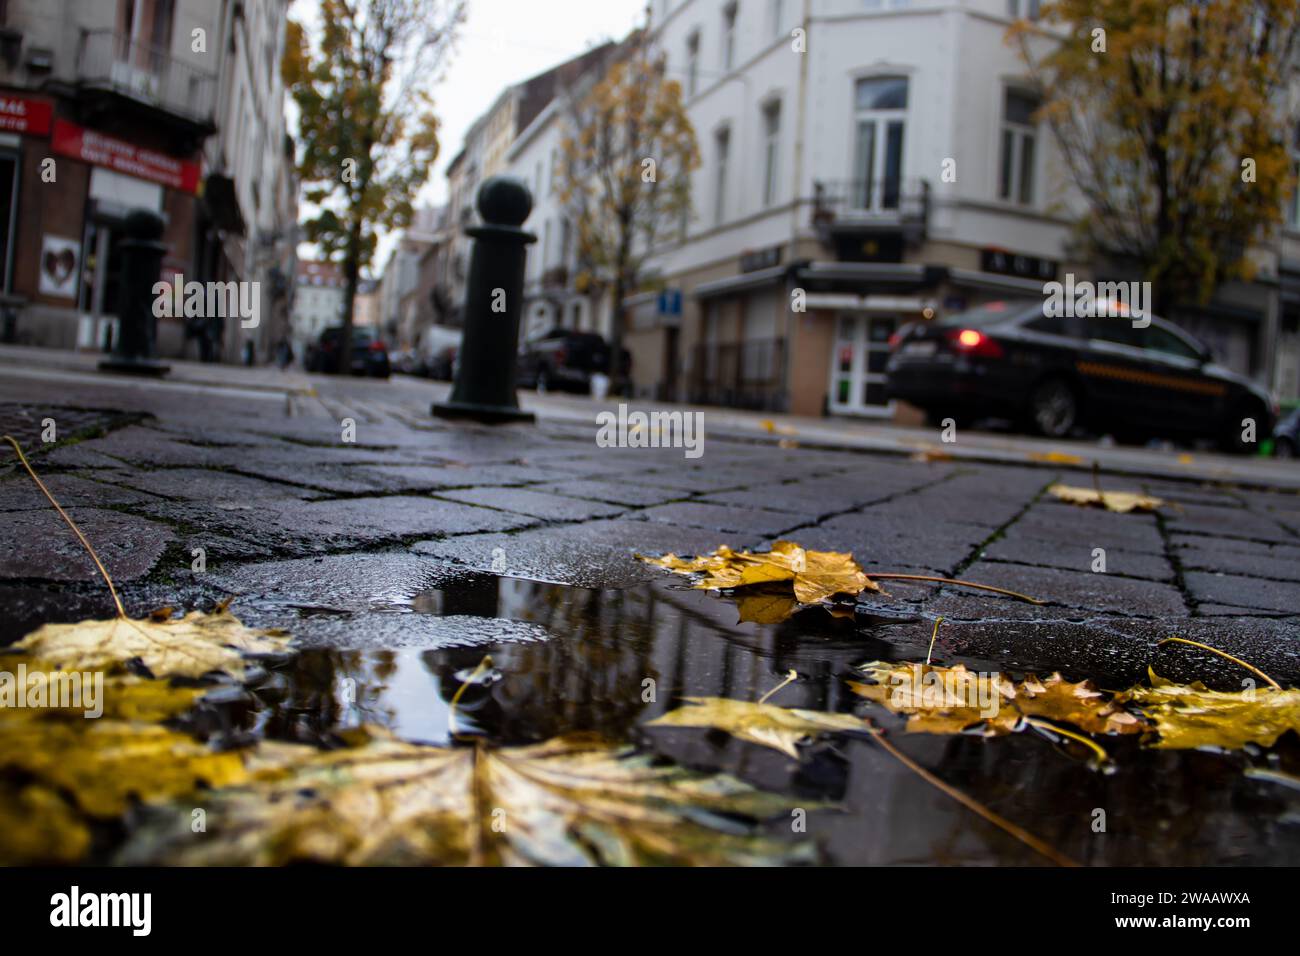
{"x": 398, "y": 549}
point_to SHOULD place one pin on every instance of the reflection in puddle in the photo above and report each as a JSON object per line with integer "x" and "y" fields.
{"x": 615, "y": 659}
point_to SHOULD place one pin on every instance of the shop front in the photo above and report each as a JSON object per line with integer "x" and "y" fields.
{"x": 65, "y": 191}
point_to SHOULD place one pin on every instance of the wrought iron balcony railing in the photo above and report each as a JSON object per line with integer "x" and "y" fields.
{"x": 112, "y": 61}
{"x": 889, "y": 203}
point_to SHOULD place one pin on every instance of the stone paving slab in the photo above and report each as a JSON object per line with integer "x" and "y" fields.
{"x": 1077, "y": 555}
{"x": 1240, "y": 591}
{"x": 1085, "y": 591}
{"x": 38, "y": 545}
{"x": 534, "y": 504}
{"x": 19, "y": 493}
{"x": 724, "y": 519}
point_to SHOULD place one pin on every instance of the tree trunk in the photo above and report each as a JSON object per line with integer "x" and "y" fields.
{"x": 351, "y": 276}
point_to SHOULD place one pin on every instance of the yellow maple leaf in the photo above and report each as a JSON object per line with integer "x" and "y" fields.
{"x": 1191, "y": 715}
{"x": 1121, "y": 502}
{"x": 768, "y": 725}
{"x": 814, "y": 575}
{"x": 191, "y": 646}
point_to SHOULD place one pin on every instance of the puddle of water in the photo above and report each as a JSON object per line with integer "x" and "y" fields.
{"x": 616, "y": 659}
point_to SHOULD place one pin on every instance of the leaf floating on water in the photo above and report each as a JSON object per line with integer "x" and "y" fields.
{"x": 951, "y": 700}
{"x": 197, "y": 644}
{"x": 572, "y": 800}
{"x": 1121, "y": 502}
{"x": 766, "y": 608}
{"x": 814, "y": 575}
{"x": 103, "y": 764}
{"x": 1191, "y": 715}
{"x": 37, "y": 826}
{"x": 767, "y": 725}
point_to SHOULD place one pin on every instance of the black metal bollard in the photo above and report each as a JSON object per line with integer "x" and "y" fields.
{"x": 485, "y": 382}
{"x": 142, "y": 254}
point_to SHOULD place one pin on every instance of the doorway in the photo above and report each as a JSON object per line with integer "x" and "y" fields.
{"x": 858, "y": 360}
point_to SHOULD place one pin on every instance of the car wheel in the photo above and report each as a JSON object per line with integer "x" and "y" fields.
{"x": 1053, "y": 408}
{"x": 1284, "y": 448}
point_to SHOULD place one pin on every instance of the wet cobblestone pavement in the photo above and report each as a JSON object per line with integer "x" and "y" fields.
{"x": 398, "y": 558}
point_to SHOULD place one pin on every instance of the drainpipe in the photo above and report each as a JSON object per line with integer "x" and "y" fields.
{"x": 801, "y": 110}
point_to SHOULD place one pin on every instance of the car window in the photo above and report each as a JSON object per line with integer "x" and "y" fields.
{"x": 1051, "y": 324}
{"x": 1162, "y": 340}
{"x": 1117, "y": 329}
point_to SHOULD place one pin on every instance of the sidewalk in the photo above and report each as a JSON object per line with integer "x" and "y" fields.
{"x": 289, "y": 516}
{"x": 399, "y": 560}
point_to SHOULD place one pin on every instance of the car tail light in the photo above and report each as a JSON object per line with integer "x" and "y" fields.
{"x": 974, "y": 342}
{"x": 561, "y": 356}
{"x": 378, "y": 345}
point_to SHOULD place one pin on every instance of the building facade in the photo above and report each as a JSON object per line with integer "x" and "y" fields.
{"x": 317, "y": 301}
{"x": 866, "y": 163}
{"x": 173, "y": 106}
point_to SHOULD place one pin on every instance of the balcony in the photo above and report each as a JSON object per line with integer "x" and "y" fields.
{"x": 895, "y": 211}
{"x": 740, "y": 375}
{"x": 113, "y": 71}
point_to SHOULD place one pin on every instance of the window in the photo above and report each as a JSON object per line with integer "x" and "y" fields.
{"x": 1029, "y": 9}
{"x": 693, "y": 63}
{"x": 880, "y": 110}
{"x": 771, "y": 151}
{"x": 722, "y": 153}
{"x": 1158, "y": 339}
{"x": 1116, "y": 329}
{"x": 729, "y": 14}
{"x": 1019, "y": 139}
{"x": 775, "y": 17}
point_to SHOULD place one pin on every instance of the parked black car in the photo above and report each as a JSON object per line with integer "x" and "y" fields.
{"x": 1286, "y": 437}
{"x": 564, "y": 359}
{"x": 1051, "y": 374}
{"x": 369, "y": 354}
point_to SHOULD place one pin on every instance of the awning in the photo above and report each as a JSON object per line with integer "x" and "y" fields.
{"x": 995, "y": 282}
{"x": 740, "y": 283}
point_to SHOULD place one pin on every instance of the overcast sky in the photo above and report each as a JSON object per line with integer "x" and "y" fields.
{"x": 503, "y": 42}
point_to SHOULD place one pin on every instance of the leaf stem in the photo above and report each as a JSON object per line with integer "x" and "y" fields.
{"x": 1214, "y": 650}
{"x": 121, "y": 611}
{"x": 1046, "y": 725}
{"x": 789, "y": 679}
{"x": 935, "y": 634}
{"x": 963, "y": 584}
{"x": 970, "y": 803}
{"x": 483, "y": 665}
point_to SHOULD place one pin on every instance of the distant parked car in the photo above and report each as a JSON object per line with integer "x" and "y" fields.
{"x": 565, "y": 359}
{"x": 369, "y": 354}
{"x": 1286, "y": 437}
{"x": 1010, "y": 359}
{"x": 439, "y": 345}
{"x": 404, "y": 361}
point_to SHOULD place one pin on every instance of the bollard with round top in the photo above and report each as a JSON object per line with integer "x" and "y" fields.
{"x": 485, "y": 380}
{"x": 142, "y": 253}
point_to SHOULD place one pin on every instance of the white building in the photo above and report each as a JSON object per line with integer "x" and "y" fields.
{"x": 317, "y": 302}
{"x": 879, "y": 156}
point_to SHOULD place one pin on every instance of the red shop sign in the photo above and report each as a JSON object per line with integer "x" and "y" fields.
{"x": 120, "y": 156}
{"x": 21, "y": 115}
